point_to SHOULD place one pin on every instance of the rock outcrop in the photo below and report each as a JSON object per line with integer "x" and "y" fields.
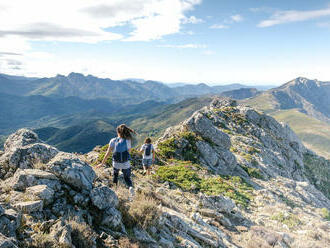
{"x": 45, "y": 195}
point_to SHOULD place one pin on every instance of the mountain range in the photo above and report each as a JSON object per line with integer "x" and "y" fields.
{"x": 57, "y": 104}
{"x": 305, "y": 105}
{"x": 66, "y": 110}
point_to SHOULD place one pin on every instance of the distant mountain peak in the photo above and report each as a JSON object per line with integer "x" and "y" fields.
{"x": 76, "y": 75}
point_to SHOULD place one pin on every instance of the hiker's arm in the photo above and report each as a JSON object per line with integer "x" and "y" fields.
{"x": 106, "y": 156}
{"x": 153, "y": 155}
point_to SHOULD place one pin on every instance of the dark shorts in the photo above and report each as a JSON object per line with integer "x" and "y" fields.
{"x": 147, "y": 162}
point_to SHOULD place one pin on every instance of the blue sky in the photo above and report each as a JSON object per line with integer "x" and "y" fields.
{"x": 209, "y": 41}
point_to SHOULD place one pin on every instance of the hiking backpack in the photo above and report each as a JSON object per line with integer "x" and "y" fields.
{"x": 120, "y": 151}
{"x": 148, "y": 150}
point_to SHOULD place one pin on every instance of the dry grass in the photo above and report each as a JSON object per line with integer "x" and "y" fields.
{"x": 142, "y": 210}
{"x": 43, "y": 240}
{"x": 39, "y": 165}
{"x": 82, "y": 235}
{"x": 125, "y": 242}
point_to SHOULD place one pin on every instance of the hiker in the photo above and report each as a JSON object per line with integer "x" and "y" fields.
{"x": 148, "y": 156}
{"x": 120, "y": 146}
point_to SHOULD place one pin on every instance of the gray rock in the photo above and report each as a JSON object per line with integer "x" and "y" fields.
{"x": 207, "y": 152}
{"x": 22, "y": 137}
{"x": 42, "y": 192}
{"x": 80, "y": 199}
{"x": 73, "y": 171}
{"x": 2, "y": 211}
{"x": 112, "y": 219}
{"x": 220, "y": 203}
{"x": 165, "y": 243}
{"x": 30, "y": 206}
{"x": 23, "y": 179}
{"x": 203, "y": 126}
{"x": 62, "y": 233}
{"x": 8, "y": 226}
{"x": 6, "y": 242}
{"x": 103, "y": 197}
{"x": 23, "y": 150}
{"x": 142, "y": 236}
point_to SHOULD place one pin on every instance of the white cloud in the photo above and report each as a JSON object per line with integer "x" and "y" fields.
{"x": 281, "y": 17}
{"x": 227, "y": 23}
{"x": 237, "y": 18}
{"x": 161, "y": 20}
{"x": 219, "y": 26}
{"x": 185, "y": 46}
{"x": 89, "y": 21}
{"x": 192, "y": 20}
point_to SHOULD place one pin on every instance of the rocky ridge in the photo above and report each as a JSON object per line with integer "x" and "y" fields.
{"x": 227, "y": 177}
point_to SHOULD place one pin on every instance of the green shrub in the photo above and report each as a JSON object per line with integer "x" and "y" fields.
{"x": 185, "y": 176}
{"x": 253, "y": 150}
{"x": 325, "y": 213}
{"x": 290, "y": 219}
{"x": 246, "y": 156}
{"x": 167, "y": 148}
{"x": 253, "y": 172}
{"x": 233, "y": 149}
{"x": 102, "y": 153}
{"x": 181, "y": 175}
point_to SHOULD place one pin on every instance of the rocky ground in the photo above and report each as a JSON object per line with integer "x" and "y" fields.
{"x": 226, "y": 177}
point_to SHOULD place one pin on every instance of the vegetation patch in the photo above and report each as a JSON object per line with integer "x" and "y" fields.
{"x": 252, "y": 150}
{"x": 317, "y": 170}
{"x": 182, "y": 176}
{"x": 188, "y": 178}
{"x": 288, "y": 202}
{"x": 142, "y": 211}
{"x": 232, "y": 187}
{"x": 325, "y": 213}
{"x": 102, "y": 153}
{"x": 167, "y": 148}
{"x": 82, "y": 235}
{"x": 253, "y": 172}
{"x": 288, "y": 219}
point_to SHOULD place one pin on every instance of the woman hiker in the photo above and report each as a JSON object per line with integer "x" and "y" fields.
{"x": 120, "y": 147}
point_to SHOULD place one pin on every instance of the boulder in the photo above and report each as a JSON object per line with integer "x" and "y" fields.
{"x": 73, "y": 171}
{"x": 201, "y": 125}
{"x": 103, "y": 197}
{"x": 207, "y": 152}
{"x": 24, "y": 150}
{"x": 220, "y": 203}
{"x": 22, "y": 137}
{"x": 23, "y": 179}
{"x": 30, "y": 206}
{"x": 112, "y": 218}
{"x": 7, "y": 227}
{"x": 43, "y": 192}
{"x": 62, "y": 234}
{"x": 2, "y": 211}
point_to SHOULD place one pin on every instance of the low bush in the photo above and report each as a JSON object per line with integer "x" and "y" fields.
{"x": 188, "y": 178}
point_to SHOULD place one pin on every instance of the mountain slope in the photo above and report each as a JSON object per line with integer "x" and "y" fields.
{"x": 305, "y": 105}
{"x": 228, "y": 176}
{"x": 241, "y": 93}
